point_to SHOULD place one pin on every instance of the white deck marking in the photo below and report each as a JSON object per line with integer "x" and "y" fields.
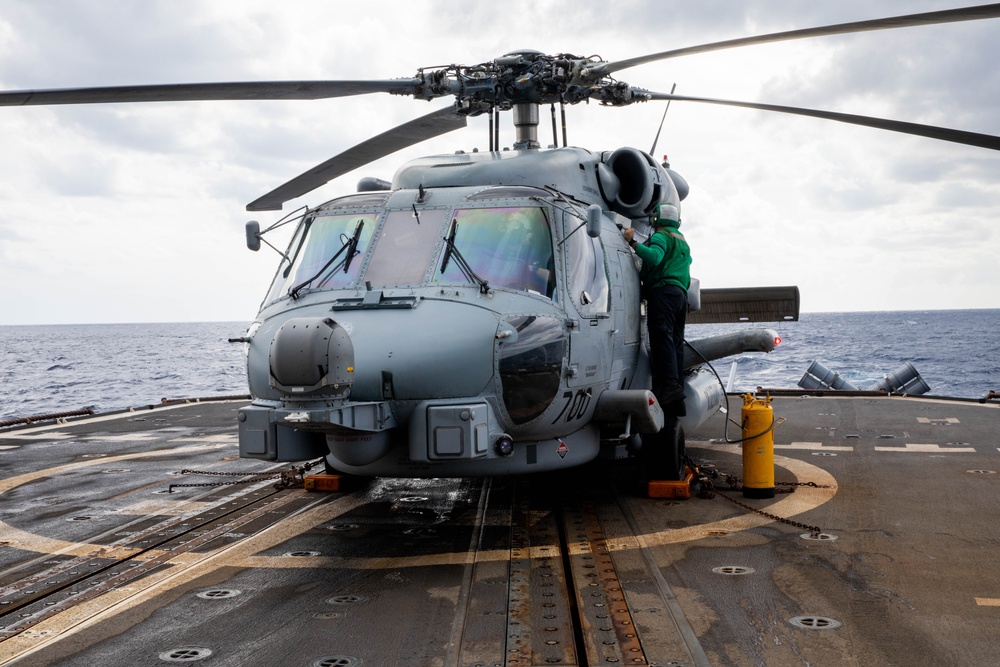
{"x": 222, "y": 437}
{"x": 988, "y": 602}
{"x": 39, "y": 436}
{"x": 124, "y": 437}
{"x": 928, "y": 449}
{"x": 815, "y": 446}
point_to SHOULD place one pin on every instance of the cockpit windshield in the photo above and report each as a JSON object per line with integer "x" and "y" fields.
{"x": 323, "y": 238}
{"x": 405, "y": 247}
{"x": 507, "y": 247}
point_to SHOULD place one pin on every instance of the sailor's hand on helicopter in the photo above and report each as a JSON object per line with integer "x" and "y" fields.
{"x": 628, "y": 233}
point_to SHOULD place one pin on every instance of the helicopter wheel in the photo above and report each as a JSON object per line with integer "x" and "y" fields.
{"x": 663, "y": 452}
{"x": 348, "y": 481}
{"x": 329, "y": 469}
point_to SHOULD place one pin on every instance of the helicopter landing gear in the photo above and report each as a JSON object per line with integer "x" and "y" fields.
{"x": 329, "y": 469}
{"x": 662, "y": 453}
{"x": 332, "y": 479}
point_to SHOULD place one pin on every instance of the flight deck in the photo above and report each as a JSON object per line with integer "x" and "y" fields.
{"x": 113, "y": 552}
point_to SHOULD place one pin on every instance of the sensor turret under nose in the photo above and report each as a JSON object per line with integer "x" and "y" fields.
{"x": 312, "y": 356}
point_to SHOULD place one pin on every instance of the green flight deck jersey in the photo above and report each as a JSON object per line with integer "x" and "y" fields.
{"x": 666, "y": 258}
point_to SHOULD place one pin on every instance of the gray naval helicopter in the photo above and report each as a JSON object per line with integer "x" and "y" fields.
{"x": 480, "y": 314}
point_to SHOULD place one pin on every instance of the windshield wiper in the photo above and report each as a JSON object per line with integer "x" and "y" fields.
{"x": 350, "y": 245}
{"x": 450, "y": 242}
{"x": 463, "y": 265}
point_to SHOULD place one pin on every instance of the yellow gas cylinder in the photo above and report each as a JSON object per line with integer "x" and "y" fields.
{"x": 758, "y": 447}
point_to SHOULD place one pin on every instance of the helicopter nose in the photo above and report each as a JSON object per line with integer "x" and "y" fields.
{"x": 437, "y": 349}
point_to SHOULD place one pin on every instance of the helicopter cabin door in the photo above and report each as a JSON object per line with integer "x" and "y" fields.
{"x": 626, "y": 316}
{"x": 589, "y": 311}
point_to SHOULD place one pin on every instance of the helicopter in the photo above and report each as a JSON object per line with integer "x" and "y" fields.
{"x": 479, "y": 314}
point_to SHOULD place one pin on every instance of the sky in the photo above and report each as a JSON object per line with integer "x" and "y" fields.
{"x": 136, "y": 213}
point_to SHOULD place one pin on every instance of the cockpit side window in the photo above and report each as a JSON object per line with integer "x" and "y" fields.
{"x": 587, "y": 273}
{"x": 284, "y": 268}
{"x": 507, "y": 247}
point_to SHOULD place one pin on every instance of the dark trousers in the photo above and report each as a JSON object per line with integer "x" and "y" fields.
{"x": 666, "y": 312}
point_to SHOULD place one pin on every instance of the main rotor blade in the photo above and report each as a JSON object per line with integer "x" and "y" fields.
{"x": 931, "y": 131}
{"x": 188, "y": 92}
{"x": 433, "y": 124}
{"x": 908, "y": 21}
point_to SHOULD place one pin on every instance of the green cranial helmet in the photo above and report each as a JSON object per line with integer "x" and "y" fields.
{"x": 667, "y": 214}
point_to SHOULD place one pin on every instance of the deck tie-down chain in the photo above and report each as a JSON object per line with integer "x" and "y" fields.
{"x": 704, "y": 480}
{"x": 289, "y": 478}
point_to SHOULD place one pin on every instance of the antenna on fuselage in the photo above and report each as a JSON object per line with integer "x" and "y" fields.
{"x": 652, "y": 151}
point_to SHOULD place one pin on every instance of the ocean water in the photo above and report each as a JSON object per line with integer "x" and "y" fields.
{"x": 956, "y": 352}
{"x": 107, "y": 367}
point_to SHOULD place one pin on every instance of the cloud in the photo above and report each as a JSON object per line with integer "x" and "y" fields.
{"x": 134, "y": 205}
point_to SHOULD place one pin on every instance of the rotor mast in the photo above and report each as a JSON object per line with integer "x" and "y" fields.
{"x": 526, "y": 125}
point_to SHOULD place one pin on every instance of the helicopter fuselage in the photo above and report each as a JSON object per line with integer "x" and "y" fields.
{"x": 445, "y": 327}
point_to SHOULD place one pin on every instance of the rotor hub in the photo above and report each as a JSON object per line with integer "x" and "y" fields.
{"x": 526, "y": 77}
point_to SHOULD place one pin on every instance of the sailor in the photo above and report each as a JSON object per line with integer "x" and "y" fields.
{"x": 666, "y": 276}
